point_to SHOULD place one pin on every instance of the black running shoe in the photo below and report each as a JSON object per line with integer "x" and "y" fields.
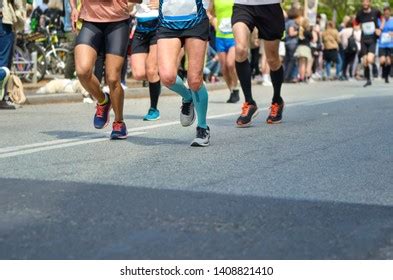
{"x": 202, "y": 137}
{"x": 234, "y": 97}
{"x": 368, "y": 83}
{"x": 275, "y": 115}
{"x": 249, "y": 112}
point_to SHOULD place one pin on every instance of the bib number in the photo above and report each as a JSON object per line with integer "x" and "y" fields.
{"x": 179, "y": 10}
{"x": 225, "y": 26}
{"x": 368, "y": 28}
{"x": 386, "y": 38}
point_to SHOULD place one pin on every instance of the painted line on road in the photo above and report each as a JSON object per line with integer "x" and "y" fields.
{"x": 60, "y": 146}
{"x": 65, "y": 143}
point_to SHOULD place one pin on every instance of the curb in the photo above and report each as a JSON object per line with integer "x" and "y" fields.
{"x": 40, "y": 99}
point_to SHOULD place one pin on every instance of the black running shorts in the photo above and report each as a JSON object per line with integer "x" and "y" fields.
{"x": 368, "y": 46}
{"x": 268, "y": 19}
{"x": 141, "y": 42}
{"x": 199, "y": 31}
{"x": 113, "y": 37}
{"x": 385, "y": 52}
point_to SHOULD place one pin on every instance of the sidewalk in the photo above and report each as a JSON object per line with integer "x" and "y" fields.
{"x": 135, "y": 90}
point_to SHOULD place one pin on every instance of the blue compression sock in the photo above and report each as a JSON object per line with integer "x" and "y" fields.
{"x": 201, "y": 99}
{"x": 181, "y": 89}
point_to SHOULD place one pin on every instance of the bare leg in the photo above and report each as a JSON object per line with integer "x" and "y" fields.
{"x": 114, "y": 64}
{"x": 85, "y": 58}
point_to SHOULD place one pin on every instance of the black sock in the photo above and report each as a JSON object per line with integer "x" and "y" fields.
{"x": 277, "y": 80}
{"x": 367, "y": 73}
{"x": 155, "y": 91}
{"x": 243, "y": 70}
{"x": 387, "y": 71}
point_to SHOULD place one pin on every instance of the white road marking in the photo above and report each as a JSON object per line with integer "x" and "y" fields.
{"x": 60, "y": 146}
{"x": 65, "y": 143}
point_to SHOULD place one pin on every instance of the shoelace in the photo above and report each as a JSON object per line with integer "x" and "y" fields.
{"x": 245, "y": 109}
{"x": 117, "y": 126}
{"x": 100, "y": 110}
{"x": 185, "y": 109}
{"x": 274, "y": 110}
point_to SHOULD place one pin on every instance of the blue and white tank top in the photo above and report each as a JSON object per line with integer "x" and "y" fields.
{"x": 386, "y": 38}
{"x": 147, "y": 19}
{"x": 182, "y": 14}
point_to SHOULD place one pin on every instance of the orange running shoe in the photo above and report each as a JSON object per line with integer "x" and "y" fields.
{"x": 249, "y": 112}
{"x": 275, "y": 115}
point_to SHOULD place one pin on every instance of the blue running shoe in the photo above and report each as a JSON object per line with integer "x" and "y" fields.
{"x": 152, "y": 115}
{"x": 119, "y": 131}
{"x": 101, "y": 118}
{"x": 4, "y": 76}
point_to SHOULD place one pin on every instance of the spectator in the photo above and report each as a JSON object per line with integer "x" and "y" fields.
{"x": 12, "y": 18}
{"x": 348, "y": 34}
{"x": 303, "y": 51}
{"x": 291, "y": 43}
{"x": 330, "y": 39}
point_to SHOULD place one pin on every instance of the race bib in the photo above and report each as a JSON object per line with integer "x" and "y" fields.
{"x": 368, "y": 28}
{"x": 225, "y": 26}
{"x": 179, "y": 10}
{"x": 386, "y": 38}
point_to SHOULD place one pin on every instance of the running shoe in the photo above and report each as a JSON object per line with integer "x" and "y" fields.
{"x": 202, "y": 137}
{"x": 119, "y": 131}
{"x": 152, "y": 115}
{"x": 249, "y": 112}
{"x": 101, "y": 118}
{"x": 7, "y": 105}
{"x": 275, "y": 115}
{"x": 234, "y": 97}
{"x": 367, "y": 84}
{"x": 4, "y": 76}
{"x": 187, "y": 114}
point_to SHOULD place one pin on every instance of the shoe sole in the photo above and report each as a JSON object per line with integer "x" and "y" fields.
{"x": 119, "y": 137}
{"x": 250, "y": 123}
{"x": 199, "y": 145}
{"x": 151, "y": 120}
{"x": 276, "y": 122}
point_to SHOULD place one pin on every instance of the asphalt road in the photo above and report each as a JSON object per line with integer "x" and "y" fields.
{"x": 318, "y": 186}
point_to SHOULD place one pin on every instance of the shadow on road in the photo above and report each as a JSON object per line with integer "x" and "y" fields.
{"x": 63, "y": 220}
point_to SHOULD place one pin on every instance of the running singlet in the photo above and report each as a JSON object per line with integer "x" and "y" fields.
{"x": 369, "y": 23}
{"x": 182, "y": 14}
{"x": 386, "y": 39}
{"x": 223, "y": 10}
{"x": 104, "y": 10}
{"x": 147, "y": 19}
{"x": 257, "y": 2}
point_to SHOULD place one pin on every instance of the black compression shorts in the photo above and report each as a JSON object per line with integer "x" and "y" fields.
{"x": 113, "y": 37}
{"x": 268, "y": 19}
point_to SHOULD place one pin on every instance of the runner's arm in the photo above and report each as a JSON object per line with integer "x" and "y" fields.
{"x": 211, "y": 13}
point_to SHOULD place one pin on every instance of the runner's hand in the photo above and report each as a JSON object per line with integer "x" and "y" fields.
{"x": 154, "y": 4}
{"x": 74, "y": 19}
{"x": 378, "y": 32}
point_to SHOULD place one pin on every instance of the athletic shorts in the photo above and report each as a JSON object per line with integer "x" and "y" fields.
{"x": 142, "y": 41}
{"x": 223, "y": 45}
{"x": 368, "y": 47}
{"x": 268, "y": 19}
{"x": 385, "y": 52}
{"x": 113, "y": 37}
{"x": 199, "y": 31}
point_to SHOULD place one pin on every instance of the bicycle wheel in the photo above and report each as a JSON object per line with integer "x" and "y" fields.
{"x": 56, "y": 60}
